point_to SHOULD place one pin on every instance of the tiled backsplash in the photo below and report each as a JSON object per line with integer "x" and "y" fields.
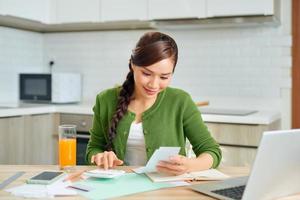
{"x": 243, "y": 67}
{"x": 234, "y": 64}
{"x": 21, "y": 51}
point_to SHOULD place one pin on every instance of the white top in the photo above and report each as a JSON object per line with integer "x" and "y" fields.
{"x": 136, "y": 150}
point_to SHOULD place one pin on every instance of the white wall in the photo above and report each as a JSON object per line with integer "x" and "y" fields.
{"x": 241, "y": 67}
{"x": 20, "y": 51}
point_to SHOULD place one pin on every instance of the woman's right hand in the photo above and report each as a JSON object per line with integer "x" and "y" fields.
{"x": 107, "y": 159}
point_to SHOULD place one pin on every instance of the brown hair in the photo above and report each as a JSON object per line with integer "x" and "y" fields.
{"x": 151, "y": 48}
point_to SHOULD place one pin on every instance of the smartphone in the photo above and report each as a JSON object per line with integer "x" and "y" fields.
{"x": 45, "y": 177}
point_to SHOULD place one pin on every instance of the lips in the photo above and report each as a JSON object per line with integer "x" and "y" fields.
{"x": 150, "y": 92}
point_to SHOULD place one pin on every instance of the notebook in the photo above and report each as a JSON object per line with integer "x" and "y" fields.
{"x": 275, "y": 172}
{"x": 211, "y": 174}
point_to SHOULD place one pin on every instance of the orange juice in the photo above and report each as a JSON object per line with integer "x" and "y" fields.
{"x": 67, "y": 152}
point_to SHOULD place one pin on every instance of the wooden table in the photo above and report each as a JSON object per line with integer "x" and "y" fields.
{"x": 181, "y": 193}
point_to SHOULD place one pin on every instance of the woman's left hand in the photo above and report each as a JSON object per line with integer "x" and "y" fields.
{"x": 177, "y": 165}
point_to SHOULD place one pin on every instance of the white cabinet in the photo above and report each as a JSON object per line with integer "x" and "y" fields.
{"x": 37, "y": 10}
{"x": 218, "y": 8}
{"x": 118, "y": 10}
{"x": 68, "y": 11}
{"x": 88, "y": 15}
{"x": 172, "y": 9}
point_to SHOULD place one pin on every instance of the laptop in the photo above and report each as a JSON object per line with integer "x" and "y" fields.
{"x": 275, "y": 172}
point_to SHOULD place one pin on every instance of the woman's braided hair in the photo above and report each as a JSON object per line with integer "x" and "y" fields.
{"x": 151, "y": 48}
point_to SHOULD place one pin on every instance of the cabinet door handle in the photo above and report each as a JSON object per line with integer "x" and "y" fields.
{"x": 83, "y": 123}
{"x": 81, "y": 136}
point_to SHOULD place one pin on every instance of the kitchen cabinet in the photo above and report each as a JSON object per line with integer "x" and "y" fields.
{"x": 52, "y": 15}
{"x": 239, "y": 142}
{"x": 12, "y": 140}
{"x": 30, "y": 9}
{"x": 41, "y": 141}
{"x": 238, "y": 156}
{"x": 219, "y": 8}
{"x": 174, "y": 9}
{"x": 68, "y": 11}
{"x": 118, "y": 10}
{"x": 29, "y": 139}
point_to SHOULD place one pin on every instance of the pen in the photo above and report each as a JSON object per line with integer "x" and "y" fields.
{"x": 78, "y": 188}
{"x": 73, "y": 176}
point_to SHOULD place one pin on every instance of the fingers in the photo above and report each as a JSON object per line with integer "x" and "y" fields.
{"x": 118, "y": 162}
{"x": 98, "y": 159}
{"x": 178, "y": 159}
{"x": 93, "y": 159}
{"x": 111, "y": 158}
{"x": 170, "y": 171}
{"x": 176, "y": 165}
{"x": 171, "y": 166}
{"x": 107, "y": 159}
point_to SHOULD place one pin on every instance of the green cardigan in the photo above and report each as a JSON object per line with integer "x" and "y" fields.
{"x": 168, "y": 122}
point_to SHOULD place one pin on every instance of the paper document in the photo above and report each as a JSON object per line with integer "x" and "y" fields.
{"x": 101, "y": 173}
{"x": 211, "y": 174}
{"x": 163, "y": 153}
{"x": 57, "y": 188}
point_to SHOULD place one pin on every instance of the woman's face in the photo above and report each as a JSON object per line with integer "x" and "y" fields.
{"x": 150, "y": 80}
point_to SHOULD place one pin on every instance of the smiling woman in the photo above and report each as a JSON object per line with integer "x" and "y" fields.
{"x": 132, "y": 121}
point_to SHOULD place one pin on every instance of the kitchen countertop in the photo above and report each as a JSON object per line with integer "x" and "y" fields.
{"x": 260, "y": 117}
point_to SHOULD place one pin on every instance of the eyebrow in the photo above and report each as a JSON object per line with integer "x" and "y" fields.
{"x": 161, "y": 74}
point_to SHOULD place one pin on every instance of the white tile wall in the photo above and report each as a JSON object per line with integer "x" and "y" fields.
{"x": 102, "y": 57}
{"x": 231, "y": 67}
{"x": 236, "y": 66}
{"x": 21, "y": 51}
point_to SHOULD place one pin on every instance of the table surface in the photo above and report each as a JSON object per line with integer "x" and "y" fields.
{"x": 181, "y": 193}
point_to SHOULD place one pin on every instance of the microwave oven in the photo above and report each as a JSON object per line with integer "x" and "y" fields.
{"x": 55, "y": 87}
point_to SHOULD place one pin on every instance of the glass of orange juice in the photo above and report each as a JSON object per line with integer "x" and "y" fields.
{"x": 67, "y": 146}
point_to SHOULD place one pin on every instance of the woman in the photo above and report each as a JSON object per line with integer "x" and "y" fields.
{"x": 132, "y": 121}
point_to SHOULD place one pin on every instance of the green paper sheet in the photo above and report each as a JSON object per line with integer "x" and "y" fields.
{"x": 127, "y": 184}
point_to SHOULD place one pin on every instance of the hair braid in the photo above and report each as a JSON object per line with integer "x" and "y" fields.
{"x": 123, "y": 102}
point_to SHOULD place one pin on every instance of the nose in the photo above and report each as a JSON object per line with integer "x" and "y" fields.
{"x": 154, "y": 83}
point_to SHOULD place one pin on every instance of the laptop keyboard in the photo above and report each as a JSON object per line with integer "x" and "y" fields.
{"x": 233, "y": 192}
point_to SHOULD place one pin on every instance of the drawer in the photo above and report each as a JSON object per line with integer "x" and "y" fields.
{"x": 235, "y": 134}
{"x": 237, "y": 156}
{"x": 238, "y": 134}
{"x": 83, "y": 122}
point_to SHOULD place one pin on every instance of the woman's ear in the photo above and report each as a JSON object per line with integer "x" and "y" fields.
{"x": 132, "y": 67}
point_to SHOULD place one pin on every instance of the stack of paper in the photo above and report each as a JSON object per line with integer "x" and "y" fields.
{"x": 57, "y": 188}
{"x": 211, "y": 174}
